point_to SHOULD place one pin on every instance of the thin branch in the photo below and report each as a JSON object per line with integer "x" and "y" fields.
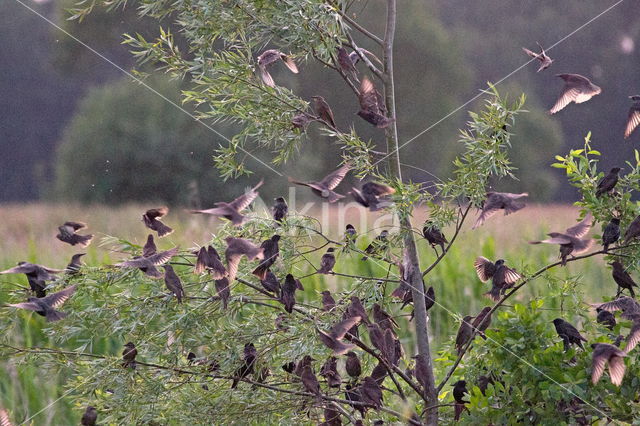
{"x": 360, "y": 28}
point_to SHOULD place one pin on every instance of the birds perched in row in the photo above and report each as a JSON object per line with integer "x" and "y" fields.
{"x": 571, "y": 241}
{"x": 496, "y": 201}
{"x": 268, "y": 58}
{"x": 324, "y": 188}
{"x": 233, "y": 211}
{"x": 67, "y": 233}
{"x": 545, "y": 60}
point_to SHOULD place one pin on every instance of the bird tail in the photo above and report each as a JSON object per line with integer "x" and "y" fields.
{"x": 633, "y": 295}
{"x": 53, "y": 315}
{"x": 81, "y": 240}
{"x": 266, "y": 77}
{"x": 398, "y": 292}
{"x": 261, "y": 272}
{"x": 493, "y": 294}
{"x": 163, "y": 230}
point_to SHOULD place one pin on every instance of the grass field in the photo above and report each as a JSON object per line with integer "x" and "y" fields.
{"x": 27, "y": 232}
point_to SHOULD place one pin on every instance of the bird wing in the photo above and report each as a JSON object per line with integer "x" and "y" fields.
{"x": 339, "y": 330}
{"x": 581, "y": 246}
{"x": 634, "y": 336}
{"x": 163, "y": 256}
{"x": 530, "y": 53}
{"x": 56, "y": 300}
{"x": 559, "y": 239}
{"x": 568, "y": 95}
{"x": 485, "y": 214}
{"x": 157, "y": 213}
{"x": 597, "y": 366}
{"x": 266, "y": 77}
{"x": 4, "y": 418}
{"x": 377, "y": 189}
{"x": 216, "y": 211}
{"x": 243, "y": 201}
{"x": 289, "y": 63}
{"x": 616, "y": 369}
{"x": 233, "y": 260}
{"x": 484, "y": 268}
{"x": 625, "y": 303}
{"x": 511, "y": 276}
{"x": 20, "y": 269}
{"x": 75, "y": 226}
{"x": 32, "y": 306}
{"x": 367, "y": 96}
{"x": 633, "y": 121}
{"x": 202, "y": 261}
{"x": 581, "y": 229}
{"x": 357, "y": 195}
{"x": 333, "y": 179}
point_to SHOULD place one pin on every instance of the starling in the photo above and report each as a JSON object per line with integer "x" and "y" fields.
{"x": 369, "y": 195}
{"x": 300, "y": 121}
{"x": 495, "y": 201}
{"x": 459, "y": 390}
{"x": 4, "y": 418}
{"x": 622, "y": 278}
{"x": 46, "y": 306}
{"x": 633, "y": 231}
{"x": 151, "y": 220}
{"x": 37, "y": 275}
{"x": 333, "y": 339}
{"x": 148, "y": 264}
{"x": 608, "y": 182}
{"x": 379, "y": 244}
{"x": 371, "y": 392}
{"x": 611, "y": 233}
{"x": 271, "y": 251}
{"x": 279, "y": 209}
{"x": 209, "y": 260}
{"x": 603, "y": 353}
{"x": 267, "y": 58}
{"x": 464, "y": 333}
{"x": 502, "y": 277}
{"x": 323, "y": 110}
{"x": 433, "y": 235}
{"x": 383, "y": 319}
{"x": 88, "y": 418}
{"x": 329, "y": 371}
{"x": 372, "y": 105}
{"x": 606, "y": 318}
{"x": 545, "y": 60}
{"x": 353, "y": 395}
{"x": 172, "y": 281}
{"x": 352, "y": 365}
{"x": 232, "y": 211}
{"x": 576, "y": 89}
{"x": 355, "y": 308}
{"x": 271, "y": 283}
{"x": 570, "y": 241}
{"x": 248, "y": 362}
{"x": 482, "y": 321}
{"x": 280, "y": 321}
{"x": 288, "y": 293}
{"x": 328, "y": 302}
{"x": 429, "y": 300}
{"x": 331, "y": 416}
{"x": 634, "y": 335}
{"x": 353, "y": 331}
{"x": 379, "y": 373}
{"x": 325, "y": 187}
{"x": 310, "y": 381}
{"x": 376, "y": 335}
{"x": 630, "y": 307}
{"x": 346, "y": 63}
{"x": 350, "y": 236}
{"x": 129, "y": 355}
{"x": 634, "y": 116}
{"x": 568, "y": 333}
{"x": 327, "y": 262}
{"x": 67, "y": 234}
{"x": 304, "y": 362}
{"x": 75, "y": 264}
{"x": 421, "y": 370}
{"x": 236, "y": 248}
{"x": 289, "y": 367}
{"x": 149, "y": 248}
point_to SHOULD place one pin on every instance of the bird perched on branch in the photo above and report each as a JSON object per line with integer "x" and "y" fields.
{"x": 379, "y": 244}
{"x": 502, "y": 277}
{"x": 545, "y": 60}
{"x": 288, "y": 292}
{"x": 352, "y": 365}
{"x": 576, "y": 89}
{"x": 482, "y": 321}
{"x": 327, "y": 262}
{"x": 325, "y": 187}
{"x": 633, "y": 231}
{"x": 329, "y": 371}
{"x": 232, "y": 211}
{"x": 129, "y": 355}
{"x": 604, "y": 353}
{"x": 611, "y": 233}
{"x": 67, "y": 233}
{"x": 634, "y": 116}
{"x": 608, "y": 182}
{"x": 347, "y": 65}
{"x": 271, "y": 251}
{"x": 37, "y": 275}
{"x": 369, "y": 195}
{"x": 249, "y": 357}
{"x": 271, "y": 283}
{"x": 209, "y": 260}
{"x": 328, "y": 302}
{"x": 350, "y": 236}
{"x": 46, "y": 306}
{"x": 568, "y": 333}
{"x": 151, "y": 219}
{"x": 372, "y": 106}
{"x": 270, "y": 56}
{"x": 496, "y": 201}
{"x": 89, "y": 417}
{"x": 323, "y": 110}
{"x": 465, "y": 331}
{"x": 622, "y": 278}
{"x": 74, "y": 265}
{"x": 571, "y": 242}
{"x": 279, "y": 209}
{"x": 172, "y": 281}
{"x": 433, "y": 235}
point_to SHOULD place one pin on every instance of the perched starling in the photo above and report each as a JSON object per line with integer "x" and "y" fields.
{"x": 421, "y": 370}
{"x": 622, "y": 278}
{"x": 372, "y": 105}
{"x": 576, "y": 89}
{"x": 288, "y": 293}
{"x": 310, "y": 381}
{"x": 379, "y": 373}
{"x": 496, "y": 201}
{"x": 67, "y": 234}
{"x": 568, "y": 333}
{"x": 459, "y": 390}
{"x": 289, "y": 367}
{"x": 482, "y": 321}
{"x": 224, "y": 291}
{"x": 353, "y": 395}
{"x": 502, "y": 277}
{"x": 327, "y": 262}
{"x": 604, "y": 353}
{"x": 271, "y": 251}
{"x": 4, "y": 418}
{"x": 172, "y": 281}
{"x": 236, "y": 248}
{"x": 329, "y": 371}
{"x": 379, "y": 244}
{"x": 129, "y": 355}
{"x": 331, "y": 416}
{"x": 248, "y": 363}
{"x": 37, "y": 275}
{"x": 271, "y": 283}
{"x": 369, "y": 195}
{"x": 75, "y": 264}
{"x": 355, "y": 308}
{"x": 149, "y": 248}
{"x": 148, "y": 264}
{"x": 267, "y": 58}
{"x": 630, "y": 307}
{"x": 232, "y": 211}
{"x": 346, "y": 63}
{"x": 328, "y": 302}
{"x": 464, "y": 333}
{"x": 608, "y": 182}
{"x": 323, "y": 110}
{"x": 209, "y": 260}
{"x": 333, "y": 339}
{"x": 46, "y": 306}
{"x": 279, "y": 209}
{"x": 383, "y": 319}
{"x": 350, "y": 236}
{"x": 545, "y": 60}
{"x": 88, "y": 418}
{"x": 634, "y": 116}
{"x": 300, "y": 121}
{"x": 433, "y": 235}
{"x": 571, "y": 242}
{"x": 304, "y": 362}
{"x": 371, "y": 392}
{"x": 376, "y": 335}
{"x": 429, "y": 300}
{"x": 280, "y": 321}
{"x": 151, "y": 220}
{"x": 352, "y": 365}
{"x": 325, "y": 187}
{"x": 633, "y": 231}
{"x": 611, "y": 233}
{"x": 606, "y": 318}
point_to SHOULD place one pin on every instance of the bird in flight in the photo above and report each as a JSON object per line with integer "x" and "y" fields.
{"x": 151, "y": 219}
{"x": 324, "y": 188}
{"x": 232, "y": 211}
{"x": 576, "y": 89}
{"x": 545, "y": 60}
{"x": 270, "y": 56}
{"x": 46, "y": 306}
{"x": 67, "y": 234}
{"x": 634, "y": 116}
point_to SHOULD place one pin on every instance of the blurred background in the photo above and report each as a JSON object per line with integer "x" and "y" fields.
{"x": 75, "y": 128}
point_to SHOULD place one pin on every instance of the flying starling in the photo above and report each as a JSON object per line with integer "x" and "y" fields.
{"x": 611, "y": 233}
{"x": 333, "y": 339}
{"x": 67, "y": 234}
{"x": 606, "y": 318}
{"x": 482, "y": 321}
{"x": 545, "y": 60}
{"x": 88, "y": 418}
{"x": 46, "y": 306}
{"x": 4, "y": 418}
{"x": 267, "y": 58}
{"x": 232, "y": 211}
{"x": 346, "y": 63}
{"x": 568, "y": 333}
{"x": 75, "y": 264}
{"x": 271, "y": 283}
{"x": 464, "y": 333}
{"x": 634, "y": 116}
{"x": 236, "y": 248}
{"x": 570, "y": 241}
{"x": 352, "y": 365}
{"x": 379, "y": 244}
{"x": 328, "y": 302}
{"x": 630, "y": 307}
{"x": 325, "y": 187}
{"x": 576, "y": 89}
{"x": 151, "y": 219}
{"x": 604, "y": 353}
{"x": 37, "y": 275}
{"x": 355, "y": 308}
{"x": 433, "y": 235}
{"x": 148, "y": 264}
{"x": 350, "y": 236}
{"x": 288, "y": 293}
{"x": 279, "y": 209}
{"x": 327, "y": 262}
{"x": 323, "y": 110}
{"x": 495, "y": 201}
{"x": 209, "y": 260}
{"x": 502, "y": 277}
{"x": 248, "y": 362}
{"x": 172, "y": 281}
{"x": 271, "y": 251}
{"x": 329, "y": 371}
{"x": 633, "y": 231}
{"x": 129, "y": 355}
{"x": 383, "y": 319}
{"x": 371, "y": 392}
{"x": 369, "y": 195}
{"x": 622, "y": 278}
{"x": 372, "y": 106}
{"x": 608, "y": 182}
